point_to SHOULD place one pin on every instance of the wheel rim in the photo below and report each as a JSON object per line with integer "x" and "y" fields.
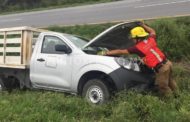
{"x": 95, "y": 94}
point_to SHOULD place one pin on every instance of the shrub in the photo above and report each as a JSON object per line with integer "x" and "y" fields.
{"x": 173, "y": 37}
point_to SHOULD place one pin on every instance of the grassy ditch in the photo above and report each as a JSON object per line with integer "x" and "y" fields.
{"x": 173, "y": 37}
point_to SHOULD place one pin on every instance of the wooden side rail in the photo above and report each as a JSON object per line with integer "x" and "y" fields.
{"x": 16, "y": 45}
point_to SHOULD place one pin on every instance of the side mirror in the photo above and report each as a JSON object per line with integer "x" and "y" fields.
{"x": 63, "y": 48}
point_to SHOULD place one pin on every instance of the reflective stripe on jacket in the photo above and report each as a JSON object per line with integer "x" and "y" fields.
{"x": 153, "y": 55}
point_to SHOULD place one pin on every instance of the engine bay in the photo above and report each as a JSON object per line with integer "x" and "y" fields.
{"x": 129, "y": 62}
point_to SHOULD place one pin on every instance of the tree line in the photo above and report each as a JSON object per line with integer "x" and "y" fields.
{"x": 12, "y": 5}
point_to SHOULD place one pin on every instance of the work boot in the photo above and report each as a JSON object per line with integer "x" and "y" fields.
{"x": 165, "y": 91}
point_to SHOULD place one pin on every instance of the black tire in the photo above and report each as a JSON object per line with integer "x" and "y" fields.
{"x": 2, "y": 86}
{"x": 96, "y": 91}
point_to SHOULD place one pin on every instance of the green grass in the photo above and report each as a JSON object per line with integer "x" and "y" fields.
{"x": 43, "y": 106}
{"x": 130, "y": 106}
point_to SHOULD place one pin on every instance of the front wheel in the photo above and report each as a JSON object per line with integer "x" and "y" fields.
{"x": 96, "y": 91}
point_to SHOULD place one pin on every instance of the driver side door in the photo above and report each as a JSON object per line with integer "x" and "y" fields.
{"x": 52, "y": 68}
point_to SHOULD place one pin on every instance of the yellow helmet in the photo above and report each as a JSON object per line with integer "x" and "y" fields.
{"x": 138, "y": 32}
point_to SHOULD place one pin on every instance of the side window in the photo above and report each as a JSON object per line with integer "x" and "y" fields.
{"x": 49, "y": 43}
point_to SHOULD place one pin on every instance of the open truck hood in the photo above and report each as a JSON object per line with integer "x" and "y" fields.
{"x": 115, "y": 37}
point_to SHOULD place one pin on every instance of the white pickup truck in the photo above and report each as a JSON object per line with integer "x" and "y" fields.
{"x": 40, "y": 59}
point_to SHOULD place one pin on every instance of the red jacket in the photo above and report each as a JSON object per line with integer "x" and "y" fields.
{"x": 153, "y": 55}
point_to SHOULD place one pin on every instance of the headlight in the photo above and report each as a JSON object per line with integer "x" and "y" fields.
{"x": 127, "y": 63}
{"x": 124, "y": 62}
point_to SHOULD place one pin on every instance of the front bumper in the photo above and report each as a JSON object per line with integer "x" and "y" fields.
{"x": 125, "y": 79}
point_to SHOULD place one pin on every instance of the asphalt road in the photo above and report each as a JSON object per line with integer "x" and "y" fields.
{"x": 106, "y": 12}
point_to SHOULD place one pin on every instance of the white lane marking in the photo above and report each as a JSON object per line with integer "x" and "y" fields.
{"x": 159, "y": 4}
{"x": 10, "y": 20}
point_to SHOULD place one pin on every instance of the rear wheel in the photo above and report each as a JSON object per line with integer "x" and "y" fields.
{"x": 96, "y": 91}
{"x": 2, "y": 87}
{"x": 9, "y": 83}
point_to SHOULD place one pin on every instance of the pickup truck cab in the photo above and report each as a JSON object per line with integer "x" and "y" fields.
{"x": 40, "y": 59}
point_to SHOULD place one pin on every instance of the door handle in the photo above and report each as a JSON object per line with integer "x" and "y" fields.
{"x": 40, "y": 60}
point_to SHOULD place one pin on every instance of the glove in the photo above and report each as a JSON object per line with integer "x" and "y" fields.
{"x": 139, "y": 23}
{"x": 102, "y": 52}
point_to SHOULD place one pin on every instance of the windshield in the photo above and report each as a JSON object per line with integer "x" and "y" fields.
{"x": 78, "y": 41}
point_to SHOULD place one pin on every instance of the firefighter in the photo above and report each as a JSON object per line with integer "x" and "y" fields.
{"x": 146, "y": 47}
